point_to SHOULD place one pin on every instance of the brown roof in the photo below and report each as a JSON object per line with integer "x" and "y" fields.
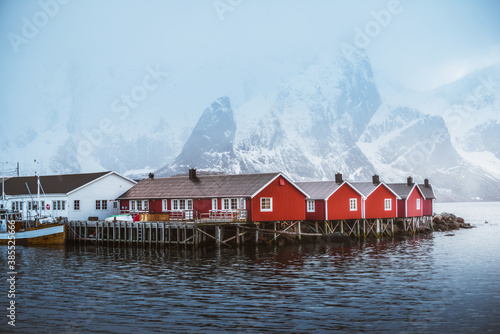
{"x": 51, "y": 184}
{"x": 205, "y": 186}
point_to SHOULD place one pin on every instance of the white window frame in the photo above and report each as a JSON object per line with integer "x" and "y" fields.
{"x": 133, "y": 206}
{"x": 418, "y": 203}
{"x": 182, "y": 205}
{"x": 387, "y": 204}
{"x": 311, "y": 205}
{"x": 104, "y": 204}
{"x": 229, "y": 204}
{"x": 264, "y": 207}
{"x": 164, "y": 205}
{"x": 76, "y": 205}
{"x": 145, "y": 205}
{"x": 353, "y": 204}
{"x": 214, "y": 203}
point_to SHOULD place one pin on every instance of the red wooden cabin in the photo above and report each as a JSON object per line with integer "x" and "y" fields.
{"x": 411, "y": 203}
{"x": 243, "y": 197}
{"x": 429, "y": 197}
{"x": 332, "y": 200}
{"x": 380, "y": 199}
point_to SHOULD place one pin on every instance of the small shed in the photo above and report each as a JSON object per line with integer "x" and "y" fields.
{"x": 429, "y": 197}
{"x": 332, "y": 200}
{"x": 411, "y": 202}
{"x": 379, "y": 199}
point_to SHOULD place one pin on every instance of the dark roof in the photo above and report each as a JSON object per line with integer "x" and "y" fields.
{"x": 402, "y": 189}
{"x": 51, "y": 184}
{"x": 366, "y": 188}
{"x": 205, "y": 186}
{"x": 427, "y": 191}
{"x": 318, "y": 189}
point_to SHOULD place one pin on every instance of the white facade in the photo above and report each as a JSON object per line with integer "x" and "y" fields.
{"x": 78, "y": 204}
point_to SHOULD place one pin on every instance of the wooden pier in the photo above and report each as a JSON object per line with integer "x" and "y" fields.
{"x": 233, "y": 234}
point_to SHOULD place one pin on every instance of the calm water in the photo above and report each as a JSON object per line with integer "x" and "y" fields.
{"x": 444, "y": 282}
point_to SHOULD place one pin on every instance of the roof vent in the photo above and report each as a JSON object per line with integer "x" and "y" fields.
{"x": 426, "y": 183}
{"x": 151, "y": 176}
{"x": 192, "y": 174}
{"x": 338, "y": 178}
{"x": 375, "y": 179}
{"x": 409, "y": 181}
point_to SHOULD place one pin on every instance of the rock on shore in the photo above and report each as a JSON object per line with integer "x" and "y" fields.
{"x": 447, "y": 221}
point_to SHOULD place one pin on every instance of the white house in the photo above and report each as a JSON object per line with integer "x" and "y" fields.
{"x": 74, "y": 196}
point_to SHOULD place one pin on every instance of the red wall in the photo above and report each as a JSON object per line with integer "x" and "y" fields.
{"x": 201, "y": 206}
{"x": 375, "y": 206}
{"x": 124, "y": 204}
{"x": 401, "y": 208}
{"x": 155, "y": 205}
{"x": 288, "y": 202}
{"x": 428, "y": 207}
{"x": 411, "y": 204}
{"x": 338, "y": 204}
{"x": 319, "y": 213}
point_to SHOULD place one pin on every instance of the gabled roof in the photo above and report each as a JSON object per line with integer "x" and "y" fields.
{"x": 404, "y": 190}
{"x": 204, "y": 186}
{"x": 367, "y": 188}
{"x": 51, "y": 184}
{"x": 319, "y": 189}
{"x": 427, "y": 191}
{"x": 324, "y": 189}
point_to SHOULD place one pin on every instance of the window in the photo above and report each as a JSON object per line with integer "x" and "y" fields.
{"x": 214, "y": 203}
{"x": 63, "y": 205}
{"x": 182, "y": 204}
{"x": 311, "y": 205}
{"x": 98, "y": 205}
{"x": 132, "y": 206}
{"x": 115, "y": 205}
{"x": 266, "y": 204}
{"x": 388, "y": 204}
{"x": 165, "y": 205}
{"x": 418, "y": 203}
{"x": 30, "y": 204}
{"x": 230, "y": 204}
{"x": 76, "y": 205}
{"x": 104, "y": 205}
{"x": 353, "y": 204}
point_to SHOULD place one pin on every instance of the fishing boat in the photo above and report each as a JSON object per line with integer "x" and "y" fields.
{"x": 42, "y": 231}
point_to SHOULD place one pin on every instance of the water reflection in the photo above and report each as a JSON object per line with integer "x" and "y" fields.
{"x": 415, "y": 285}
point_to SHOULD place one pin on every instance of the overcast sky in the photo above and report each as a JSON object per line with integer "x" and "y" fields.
{"x": 94, "y": 50}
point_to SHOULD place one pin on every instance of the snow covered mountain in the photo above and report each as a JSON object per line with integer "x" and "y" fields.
{"x": 331, "y": 118}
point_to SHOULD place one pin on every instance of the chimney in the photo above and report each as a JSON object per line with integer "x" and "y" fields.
{"x": 192, "y": 174}
{"x": 409, "y": 181}
{"x": 151, "y": 176}
{"x": 338, "y": 178}
{"x": 426, "y": 183}
{"x": 376, "y": 179}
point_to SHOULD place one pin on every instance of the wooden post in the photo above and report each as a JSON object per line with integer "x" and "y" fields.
{"x": 238, "y": 236}
{"x": 300, "y": 235}
{"x": 392, "y": 226}
{"x": 274, "y": 232}
{"x": 378, "y": 228}
{"x": 217, "y": 235}
{"x": 257, "y": 235}
{"x": 342, "y": 226}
